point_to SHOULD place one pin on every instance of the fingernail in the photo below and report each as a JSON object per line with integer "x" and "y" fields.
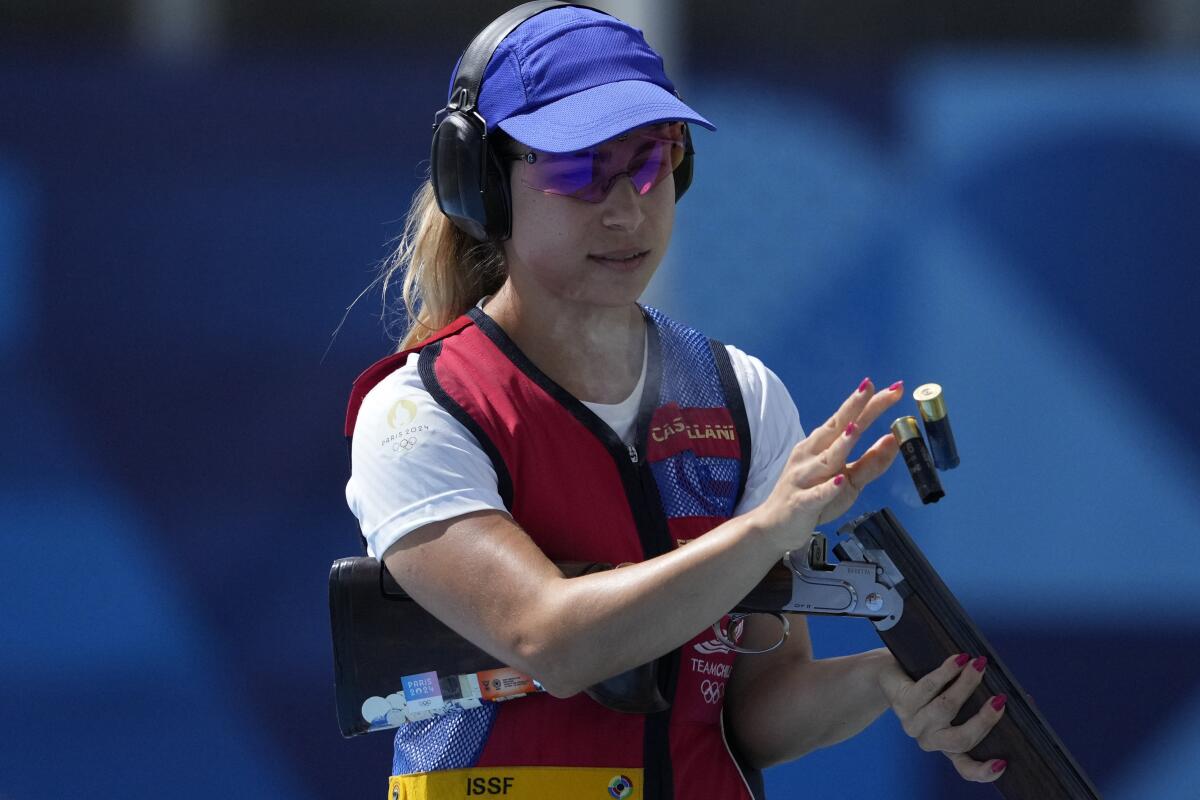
{"x": 851, "y": 428}
{"x": 862, "y": 387}
{"x": 998, "y": 765}
{"x": 979, "y": 663}
{"x": 998, "y": 701}
{"x": 897, "y": 386}
{"x": 962, "y": 660}
{"x": 838, "y": 480}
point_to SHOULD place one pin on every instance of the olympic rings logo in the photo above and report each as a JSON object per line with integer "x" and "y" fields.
{"x": 712, "y": 691}
{"x": 404, "y": 445}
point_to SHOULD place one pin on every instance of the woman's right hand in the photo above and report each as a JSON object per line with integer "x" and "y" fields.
{"x": 817, "y": 484}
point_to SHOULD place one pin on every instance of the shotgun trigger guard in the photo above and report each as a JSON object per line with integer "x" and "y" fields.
{"x": 736, "y": 618}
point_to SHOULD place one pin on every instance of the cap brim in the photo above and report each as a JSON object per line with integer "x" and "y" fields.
{"x": 589, "y": 117}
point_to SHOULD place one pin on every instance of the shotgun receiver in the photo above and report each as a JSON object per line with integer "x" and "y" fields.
{"x": 391, "y": 657}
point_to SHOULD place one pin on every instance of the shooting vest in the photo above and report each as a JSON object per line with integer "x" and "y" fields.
{"x": 584, "y": 495}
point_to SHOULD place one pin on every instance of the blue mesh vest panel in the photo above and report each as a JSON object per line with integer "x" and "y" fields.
{"x": 691, "y": 485}
{"x": 451, "y": 741}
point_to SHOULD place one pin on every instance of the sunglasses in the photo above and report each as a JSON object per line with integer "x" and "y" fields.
{"x": 646, "y": 155}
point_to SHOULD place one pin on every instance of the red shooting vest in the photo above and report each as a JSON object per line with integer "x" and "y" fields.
{"x": 583, "y": 495}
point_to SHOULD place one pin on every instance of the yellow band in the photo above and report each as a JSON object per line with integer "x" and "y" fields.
{"x": 519, "y": 783}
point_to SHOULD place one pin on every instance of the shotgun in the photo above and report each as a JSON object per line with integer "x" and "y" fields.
{"x": 395, "y": 662}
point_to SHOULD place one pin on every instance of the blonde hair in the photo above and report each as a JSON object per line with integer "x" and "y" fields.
{"x": 445, "y": 272}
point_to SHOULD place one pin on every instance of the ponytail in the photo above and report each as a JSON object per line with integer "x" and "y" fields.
{"x": 445, "y": 272}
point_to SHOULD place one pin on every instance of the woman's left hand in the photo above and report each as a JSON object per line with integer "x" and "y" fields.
{"x": 871, "y": 464}
{"x": 927, "y": 708}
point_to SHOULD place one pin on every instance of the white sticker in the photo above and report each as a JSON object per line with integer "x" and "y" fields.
{"x": 375, "y": 709}
{"x": 470, "y": 688}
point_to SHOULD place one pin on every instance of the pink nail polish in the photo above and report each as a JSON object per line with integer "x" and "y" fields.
{"x": 962, "y": 660}
{"x": 838, "y": 480}
{"x": 979, "y": 663}
{"x": 850, "y": 429}
{"x": 862, "y": 387}
{"x": 897, "y": 386}
{"x": 999, "y": 765}
{"x": 998, "y": 701}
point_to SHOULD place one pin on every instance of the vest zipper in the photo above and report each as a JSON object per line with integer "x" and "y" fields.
{"x": 649, "y": 516}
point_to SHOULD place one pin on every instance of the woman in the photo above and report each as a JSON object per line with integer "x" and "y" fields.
{"x": 538, "y": 414}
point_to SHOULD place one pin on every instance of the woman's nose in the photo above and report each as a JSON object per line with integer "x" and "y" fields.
{"x": 622, "y": 207}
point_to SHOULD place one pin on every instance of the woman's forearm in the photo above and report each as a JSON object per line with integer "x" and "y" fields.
{"x": 599, "y": 625}
{"x": 484, "y": 577}
{"x": 790, "y": 709}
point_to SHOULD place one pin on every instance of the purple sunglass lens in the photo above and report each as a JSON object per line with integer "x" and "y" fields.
{"x": 659, "y": 162}
{"x": 590, "y": 176}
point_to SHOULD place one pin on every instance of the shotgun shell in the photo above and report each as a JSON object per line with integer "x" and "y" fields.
{"x": 932, "y": 405}
{"x": 916, "y": 458}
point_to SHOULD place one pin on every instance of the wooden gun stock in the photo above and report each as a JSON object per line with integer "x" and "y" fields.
{"x": 934, "y": 627}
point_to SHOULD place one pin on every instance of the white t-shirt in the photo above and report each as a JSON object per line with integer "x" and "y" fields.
{"x": 412, "y": 463}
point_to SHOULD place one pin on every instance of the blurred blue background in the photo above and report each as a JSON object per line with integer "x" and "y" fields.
{"x": 192, "y": 194}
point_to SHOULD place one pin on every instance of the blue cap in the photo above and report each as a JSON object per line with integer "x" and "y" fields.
{"x": 571, "y": 77}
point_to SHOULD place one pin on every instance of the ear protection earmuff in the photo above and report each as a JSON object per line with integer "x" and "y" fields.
{"x": 470, "y": 181}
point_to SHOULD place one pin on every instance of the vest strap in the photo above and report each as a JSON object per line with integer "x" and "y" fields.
{"x": 375, "y": 373}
